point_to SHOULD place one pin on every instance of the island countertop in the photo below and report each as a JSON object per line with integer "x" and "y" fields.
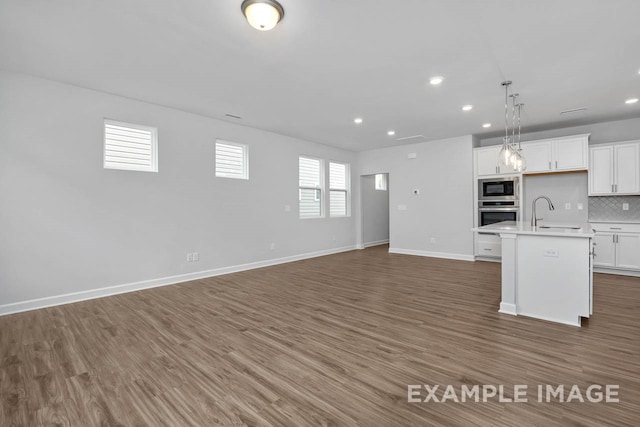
{"x": 543, "y": 229}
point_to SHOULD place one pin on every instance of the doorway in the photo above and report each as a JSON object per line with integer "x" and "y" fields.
{"x": 375, "y": 209}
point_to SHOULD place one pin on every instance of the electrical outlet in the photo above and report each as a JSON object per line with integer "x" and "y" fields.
{"x": 567, "y": 206}
{"x": 625, "y": 206}
{"x": 402, "y": 207}
{"x": 412, "y": 156}
{"x": 580, "y": 206}
{"x": 432, "y": 240}
{"x": 287, "y": 208}
{"x": 273, "y": 246}
{"x": 195, "y": 256}
{"x": 189, "y": 257}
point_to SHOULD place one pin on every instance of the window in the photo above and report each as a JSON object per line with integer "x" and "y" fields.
{"x": 381, "y": 182}
{"x": 310, "y": 187}
{"x": 130, "y": 147}
{"x": 338, "y": 189}
{"x": 232, "y": 160}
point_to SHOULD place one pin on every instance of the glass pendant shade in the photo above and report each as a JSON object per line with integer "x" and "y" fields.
{"x": 505, "y": 154}
{"x": 262, "y": 15}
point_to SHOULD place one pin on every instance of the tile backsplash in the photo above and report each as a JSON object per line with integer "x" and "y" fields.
{"x": 610, "y": 209}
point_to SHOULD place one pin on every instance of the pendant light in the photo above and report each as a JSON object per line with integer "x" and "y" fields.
{"x": 511, "y": 152}
{"x": 262, "y": 15}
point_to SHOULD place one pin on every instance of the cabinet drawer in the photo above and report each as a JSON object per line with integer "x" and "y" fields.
{"x": 489, "y": 249}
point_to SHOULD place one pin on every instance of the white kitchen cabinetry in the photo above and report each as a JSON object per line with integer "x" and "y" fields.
{"x": 487, "y": 163}
{"x": 488, "y": 245}
{"x": 556, "y": 155}
{"x": 614, "y": 169}
{"x": 604, "y": 249}
{"x": 617, "y": 246}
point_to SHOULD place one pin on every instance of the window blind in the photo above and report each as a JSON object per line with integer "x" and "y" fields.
{"x": 310, "y": 191}
{"x": 231, "y": 160}
{"x": 338, "y": 189}
{"x": 130, "y": 147}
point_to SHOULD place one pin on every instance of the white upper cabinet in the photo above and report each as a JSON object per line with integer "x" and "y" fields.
{"x": 487, "y": 163}
{"x": 556, "y": 155}
{"x": 614, "y": 169}
{"x": 571, "y": 153}
{"x": 538, "y": 156}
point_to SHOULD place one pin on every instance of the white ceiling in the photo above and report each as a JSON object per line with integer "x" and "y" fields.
{"x": 329, "y": 61}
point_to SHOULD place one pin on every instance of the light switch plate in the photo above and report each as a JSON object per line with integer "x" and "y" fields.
{"x": 552, "y": 252}
{"x": 625, "y": 206}
{"x": 402, "y": 207}
{"x": 412, "y": 156}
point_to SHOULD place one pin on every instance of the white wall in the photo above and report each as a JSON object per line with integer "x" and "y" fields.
{"x": 69, "y": 226}
{"x": 443, "y": 173}
{"x": 375, "y": 212}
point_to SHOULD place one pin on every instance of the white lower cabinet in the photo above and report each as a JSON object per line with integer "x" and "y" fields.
{"x": 488, "y": 245}
{"x": 628, "y": 251}
{"x": 617, "y": 246}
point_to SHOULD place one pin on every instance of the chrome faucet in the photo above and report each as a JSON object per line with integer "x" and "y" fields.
{"x": 534, "y": 220}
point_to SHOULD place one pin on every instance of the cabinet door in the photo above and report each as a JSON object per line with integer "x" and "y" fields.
{"x": 628, "y": 251}
{"x": 601, "y": 171}
{"x": 604, "y": 249}
{"x": 627, "y": 168}
{"x": 487, "y": 161}
{"x": 538, "y": 156}
{"x": 570, "y": 153}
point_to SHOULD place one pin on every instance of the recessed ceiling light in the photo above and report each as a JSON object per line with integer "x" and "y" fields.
{"x": 436, "y": 80}
{"x": 467, "y": 107}
{"x": 631, "y": 101}
{"x": 486, "y": 125}
{"x": 391, "y": 132}
{"x": 357, "y": 120}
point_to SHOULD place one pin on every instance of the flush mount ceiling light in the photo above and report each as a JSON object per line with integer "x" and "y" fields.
{"x": 467, "y": 108}
{"x": 436, "y": 80}
{"x": 262, "y": 15}
{"x": 631, "y": 101}
{"x": 391, "y": 132}
{"x": 486, "y": 125}
{"x": 357, "y": 120}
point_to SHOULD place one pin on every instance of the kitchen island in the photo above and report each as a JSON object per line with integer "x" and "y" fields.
{"x": 546, "y": 270}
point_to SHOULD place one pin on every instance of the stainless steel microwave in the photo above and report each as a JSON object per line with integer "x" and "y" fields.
{"x": 499, "y": 188}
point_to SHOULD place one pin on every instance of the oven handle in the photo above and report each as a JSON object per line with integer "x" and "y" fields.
{"x": 509, "y": 209}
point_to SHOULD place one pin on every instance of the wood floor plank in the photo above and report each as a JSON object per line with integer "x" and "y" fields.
{"x": 329, "y": 341}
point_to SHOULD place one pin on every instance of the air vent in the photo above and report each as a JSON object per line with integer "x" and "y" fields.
{"x": 232, "y": 116}
{"x": 406, "y": 138}
{"x": 575, "y": 110}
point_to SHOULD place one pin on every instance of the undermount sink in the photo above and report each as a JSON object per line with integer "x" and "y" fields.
{"x": 560, "y": 226}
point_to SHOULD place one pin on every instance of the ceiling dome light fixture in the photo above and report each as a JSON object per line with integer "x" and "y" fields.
{"x": 631, "y": 101}
{"x": 436, "y": 80}
{"x": 262, "y": 15}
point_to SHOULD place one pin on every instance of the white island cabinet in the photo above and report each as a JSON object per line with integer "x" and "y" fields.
{"x": 546, "y": 270}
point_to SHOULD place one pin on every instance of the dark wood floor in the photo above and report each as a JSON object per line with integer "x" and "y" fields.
{"x": 330, "y": 341}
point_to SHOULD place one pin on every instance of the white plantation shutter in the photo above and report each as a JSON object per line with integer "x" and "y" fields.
{"x": 338, "y": 189}
{"x": 231, "y": 160}
{"x": 310, "y": 187}
{"x": 130, "y": 147}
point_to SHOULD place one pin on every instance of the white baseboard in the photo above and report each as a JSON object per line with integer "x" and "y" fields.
{"x": 508, "y": 308}
{"x": 376, "y": 243}
{"x": 34, "y": 304}
{"x": 446, "y": 255}
{"x": 605, "y": 270}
